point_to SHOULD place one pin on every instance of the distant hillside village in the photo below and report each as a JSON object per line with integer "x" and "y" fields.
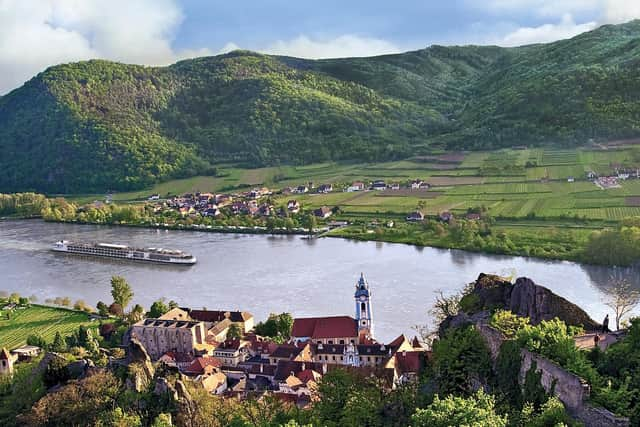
{"x": 221, "y": 350}
{"x": 258, "y": 203}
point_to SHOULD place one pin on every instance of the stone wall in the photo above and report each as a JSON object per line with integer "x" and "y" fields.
{"x": 568, "y": 387}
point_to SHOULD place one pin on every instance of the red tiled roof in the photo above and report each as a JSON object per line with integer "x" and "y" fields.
{"x": 200, "y": 363}
{"x": 309, "y": 375}
{"x": 325, "y": 327}
{"x": 398, "y": 341}
{"x": 410, "y": 361}
{"x": 286, "y": 351}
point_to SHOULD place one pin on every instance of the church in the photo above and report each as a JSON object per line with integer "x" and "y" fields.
{"x": 340, "y": 329}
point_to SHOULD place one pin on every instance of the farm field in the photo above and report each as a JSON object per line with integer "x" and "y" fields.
{"x": 510, "y": 183}
{"x": 40, "y": 320}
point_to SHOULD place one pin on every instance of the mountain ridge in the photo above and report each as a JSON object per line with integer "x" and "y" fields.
{"x": 97, "y": 125}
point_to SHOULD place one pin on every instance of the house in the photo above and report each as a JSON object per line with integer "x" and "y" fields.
{"x": 26, "y": 352}
{"x": 379, "y": 185}
{"x": 160, "y": 336}
{"x": 471, "y": 216}
{"x": 243, "y": 319}
{"x": 355, "y": 355}
{"x": 296, "y": 352}
{"x": 356, "y": 186}
{"x": 212, "y": 212}
{"x": 409, "y": 364}
{"x": 293, "y": 206}
{"x": 424, "y": 186}
{"x": 154, "y": 197}
{"x": 394, "y": 186}
{"x": 301, "y": 189}
{"x": 415, "y": 184}
{"x": 325, "y": 188}
{"x": 415, "y": 216}
{"x": 323, "y": 212}
{"x": 205, "y": 365}
{"x": 570, "y": 179}
{"x": 232, "y": 352}
{"x": 445, "y": 216}
{"x": 177, "y": 360}
{"x": 326, "y": 330}
{"x": 215, "y": 383}
{"x": 6, "y": 362}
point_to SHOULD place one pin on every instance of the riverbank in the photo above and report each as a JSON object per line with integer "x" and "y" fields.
{"x": 540, "y": 242}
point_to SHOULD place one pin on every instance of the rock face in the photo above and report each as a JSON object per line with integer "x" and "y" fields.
{"x": 141, "y": 370}
{"x": 527, "y": 299}
{"x": 538, "y": 303}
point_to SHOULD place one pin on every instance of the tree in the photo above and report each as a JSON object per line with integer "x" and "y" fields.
{"x": 234, "y": 331}
{"x": 37, "y": 341}
{"x": 172, "y": 305}
{"x": 445, "y": 306}
{"x": 103, "y": 309}
{"x": 136, "y": 314}
{"x": 14, "y": 298}
{"x": 476, "y": 410}
{"x": 622, "y": 298}
{"x": 58, "y": 344}
{"x": 158, "y": 308}
{"x": 121, "y": 291}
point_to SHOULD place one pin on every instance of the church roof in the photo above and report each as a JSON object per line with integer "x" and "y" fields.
{"x": 325, "y": 327}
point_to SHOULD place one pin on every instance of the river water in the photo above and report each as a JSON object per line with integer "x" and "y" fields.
{"x": 263, "y": 274}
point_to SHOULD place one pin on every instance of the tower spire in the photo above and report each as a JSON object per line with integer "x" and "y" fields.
{"x": 362, "y": 298}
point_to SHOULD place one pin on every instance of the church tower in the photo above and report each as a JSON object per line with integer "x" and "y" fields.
{"x": 364, "y": 317}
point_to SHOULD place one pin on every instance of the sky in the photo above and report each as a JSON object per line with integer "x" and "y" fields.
{"x": 35, "y": 34}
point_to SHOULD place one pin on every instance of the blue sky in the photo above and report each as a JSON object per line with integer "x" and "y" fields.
{"x": 35, "y": 34}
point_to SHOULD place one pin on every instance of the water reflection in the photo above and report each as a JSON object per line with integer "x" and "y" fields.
{"x": 603, "y": 277}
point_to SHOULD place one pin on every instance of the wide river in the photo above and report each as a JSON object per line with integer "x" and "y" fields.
{"x": 263, "y": 274}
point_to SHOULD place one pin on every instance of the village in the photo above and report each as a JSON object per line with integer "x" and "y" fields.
{"x": 259, "y": 203}
{"x": 220, "y": 350}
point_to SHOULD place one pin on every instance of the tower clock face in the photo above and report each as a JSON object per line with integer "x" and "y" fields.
{"x": 363, "y": 298}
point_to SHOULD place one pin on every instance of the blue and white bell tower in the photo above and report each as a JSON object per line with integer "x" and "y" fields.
{"x": 364, "y": 317}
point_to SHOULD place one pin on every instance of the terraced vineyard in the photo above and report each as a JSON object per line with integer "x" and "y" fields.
{"x": 40, "y": 320}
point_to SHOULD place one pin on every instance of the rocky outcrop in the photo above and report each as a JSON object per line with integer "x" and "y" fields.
{"x": 163, "y": 386}
{"x": 141, "y": 370}
{"x": 538, "y": 303}
{"x": 525, "y": 298}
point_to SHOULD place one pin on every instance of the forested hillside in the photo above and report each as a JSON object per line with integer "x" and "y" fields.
{"x": 98, "y": 125}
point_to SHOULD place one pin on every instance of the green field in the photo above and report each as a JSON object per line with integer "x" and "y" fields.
{"x": 510, "y": 183}
{"x": 39, "y": 320}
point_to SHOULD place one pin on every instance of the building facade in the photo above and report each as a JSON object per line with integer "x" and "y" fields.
{"x": 160, "y": 336}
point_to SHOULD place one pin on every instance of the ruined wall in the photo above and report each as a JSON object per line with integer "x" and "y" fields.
{"x": 568, "y": 387}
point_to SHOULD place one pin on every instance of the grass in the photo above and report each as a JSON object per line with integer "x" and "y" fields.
{"x": 37, "y": 319}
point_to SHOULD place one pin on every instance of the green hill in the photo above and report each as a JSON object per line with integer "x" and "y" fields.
{"x": 98, "y": 125}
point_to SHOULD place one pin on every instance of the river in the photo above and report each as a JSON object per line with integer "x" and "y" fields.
{"x": 263, "y": 274}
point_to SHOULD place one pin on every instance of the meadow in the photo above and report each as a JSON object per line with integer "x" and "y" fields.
{"x": 37, "y": 320}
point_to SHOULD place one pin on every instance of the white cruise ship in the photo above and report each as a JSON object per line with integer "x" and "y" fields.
{"x": 108, "y": 250}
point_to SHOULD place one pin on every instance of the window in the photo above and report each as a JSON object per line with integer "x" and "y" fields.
{"x": 330, "y": 342}
{"x": 341, "y": 341}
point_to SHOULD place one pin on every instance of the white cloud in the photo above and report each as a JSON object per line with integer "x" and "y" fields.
{"x": 339, "y": 47}
{"x": 565, "y": 29}
{"x": 39, "y": 33}
{"x": 540, "y": 8}
{"x": 618, "y": 11}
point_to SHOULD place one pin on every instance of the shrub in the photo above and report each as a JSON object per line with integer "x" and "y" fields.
{"x": 477, "y": 410}
{"x": 508, "y": 323}
{"x": 459, "y": 359}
